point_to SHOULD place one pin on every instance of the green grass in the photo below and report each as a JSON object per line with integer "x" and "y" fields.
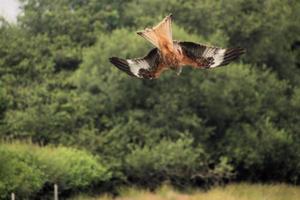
{"x": 241, "y": 191}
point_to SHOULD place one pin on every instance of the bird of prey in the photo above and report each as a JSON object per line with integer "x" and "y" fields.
{"x": 172, "y": 54}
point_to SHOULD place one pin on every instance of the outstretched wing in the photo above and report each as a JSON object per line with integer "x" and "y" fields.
{"x": 148, "y": 67}
{"x": 199, "y": 55}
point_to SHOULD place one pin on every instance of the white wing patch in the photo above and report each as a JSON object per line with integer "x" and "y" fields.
{"x": 216, "y": 53}
{"x": 136, "y": 65}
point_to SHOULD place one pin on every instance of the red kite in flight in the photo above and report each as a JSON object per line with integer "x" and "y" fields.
{"x": 172, "y": 54}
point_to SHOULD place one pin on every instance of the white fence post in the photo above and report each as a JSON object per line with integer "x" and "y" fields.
{"x": 12, "y": 196}
{"x": 55, "y": 192}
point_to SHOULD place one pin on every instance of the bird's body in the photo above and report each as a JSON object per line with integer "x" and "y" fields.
{"x": 172, "y": 54}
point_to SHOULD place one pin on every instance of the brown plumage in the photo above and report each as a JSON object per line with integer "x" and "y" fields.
{"x": 171, "y": 54}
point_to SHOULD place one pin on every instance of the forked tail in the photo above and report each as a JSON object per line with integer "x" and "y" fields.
{"x": 160, "y": 35}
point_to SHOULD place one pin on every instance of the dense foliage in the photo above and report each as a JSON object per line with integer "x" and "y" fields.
{"x": 27, "y": 169}
{"x": 57, "y": 87}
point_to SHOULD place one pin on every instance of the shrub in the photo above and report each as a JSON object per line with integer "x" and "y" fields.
{"x": 71, "y": 168}
{"x": 19, "y": 173}
{"x": 264, "y": 153}
{"x": 178, "y": 162}
{"x": 25, "y": 169}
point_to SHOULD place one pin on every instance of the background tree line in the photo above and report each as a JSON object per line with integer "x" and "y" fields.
{"x": 240, "y": 122}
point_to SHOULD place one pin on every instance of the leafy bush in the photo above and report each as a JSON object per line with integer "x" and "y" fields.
{"x": 178, "y": 162}
{"x": 264, "y": 152}
{"x": 71, "y": 168}
{"x": 19, "y": 173}
{"x": 25, "y": 169}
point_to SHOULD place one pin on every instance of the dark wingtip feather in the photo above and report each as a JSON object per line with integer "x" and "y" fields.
{"x": 112, "y": 59}
{"x": 232, "y": 54}
{"x": 121, "y": 64}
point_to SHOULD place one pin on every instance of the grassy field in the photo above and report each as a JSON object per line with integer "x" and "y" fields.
{"x": 231, "y": 192}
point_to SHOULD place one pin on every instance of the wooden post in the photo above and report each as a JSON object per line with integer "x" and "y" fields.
{"x": 12, "y": 196}
{"x": 55, "y": 192}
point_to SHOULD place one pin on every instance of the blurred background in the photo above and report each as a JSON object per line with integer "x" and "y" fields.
{"x": 67, "y": 116}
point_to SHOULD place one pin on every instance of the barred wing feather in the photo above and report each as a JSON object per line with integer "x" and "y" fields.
{"x": 210, "y": 57}
{"x": 145, "y": 67}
